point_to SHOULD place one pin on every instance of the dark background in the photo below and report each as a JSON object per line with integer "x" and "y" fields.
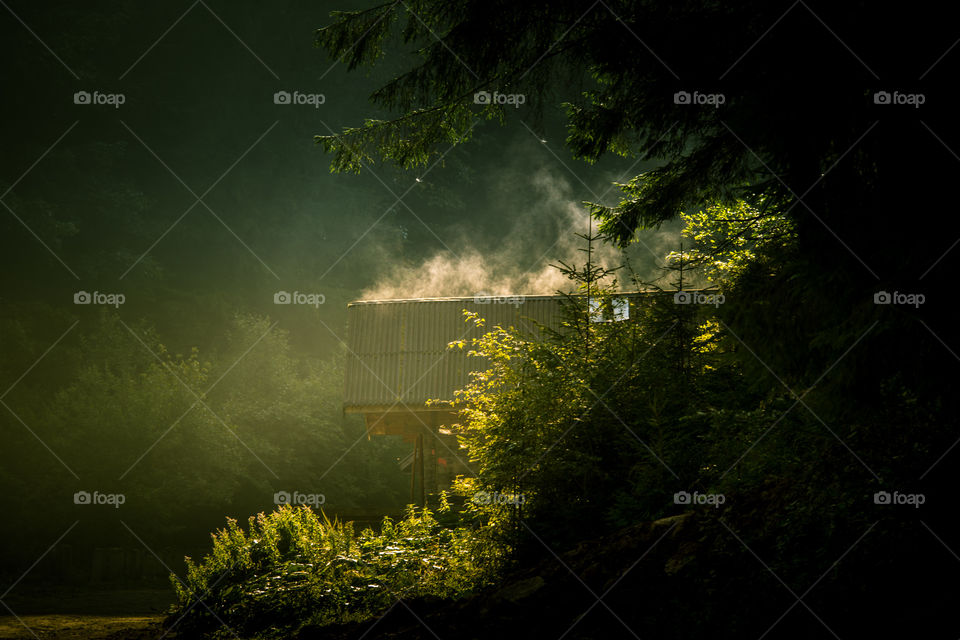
{"x": 97, "y": 199}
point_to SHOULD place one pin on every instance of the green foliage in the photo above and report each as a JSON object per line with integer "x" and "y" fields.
{"x": 292, "y": 567}
{"x": 729, "y": 240}
{"x": 617, "y": 72}
{"x": 130, "y": 415}
{"x": 436, "y": 95}
{"x": 585, "y": 427}
{"x": 187, "y": 438}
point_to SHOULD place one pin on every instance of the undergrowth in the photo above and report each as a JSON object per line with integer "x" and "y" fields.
{"x": 293, "y": 567}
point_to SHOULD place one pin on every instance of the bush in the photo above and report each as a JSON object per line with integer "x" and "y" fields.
{"x": 293, "y": 567}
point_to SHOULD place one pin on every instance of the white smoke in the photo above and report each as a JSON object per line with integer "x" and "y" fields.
{"x": 520, "y": 263}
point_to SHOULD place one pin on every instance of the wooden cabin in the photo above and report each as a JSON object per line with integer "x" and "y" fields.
{"x": 398, "y": 359}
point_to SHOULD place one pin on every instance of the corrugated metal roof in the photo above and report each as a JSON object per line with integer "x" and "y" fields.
{"x": 398, "y": 348}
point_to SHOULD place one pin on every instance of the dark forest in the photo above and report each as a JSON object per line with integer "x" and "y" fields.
{"x": 465, "y": 319}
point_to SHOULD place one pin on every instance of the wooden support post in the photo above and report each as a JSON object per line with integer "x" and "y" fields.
{"x": 413, "y": 474}
{"x": 434, "y": 481}
{"x": 423, "y": 478}
{"x": 416, "y": 468}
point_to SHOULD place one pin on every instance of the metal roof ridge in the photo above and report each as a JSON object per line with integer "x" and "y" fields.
{"x": 540, "y": 296}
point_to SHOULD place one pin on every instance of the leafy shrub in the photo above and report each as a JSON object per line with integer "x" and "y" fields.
{"x": 291, "y": 567}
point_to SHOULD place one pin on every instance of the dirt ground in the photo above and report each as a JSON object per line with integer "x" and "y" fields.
{"x": 65, "y": 614}
{"x": 80, "y": 627}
